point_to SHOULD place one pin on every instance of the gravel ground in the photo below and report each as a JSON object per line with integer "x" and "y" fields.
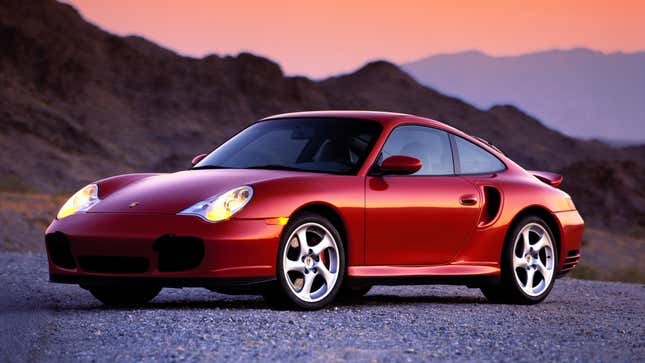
{"x": 580, "y": 321}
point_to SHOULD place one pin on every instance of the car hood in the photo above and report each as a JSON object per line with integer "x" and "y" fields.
{"x": 172, "y": 193}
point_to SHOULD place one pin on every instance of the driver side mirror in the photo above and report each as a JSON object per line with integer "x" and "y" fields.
{"x": 400, "y": 165}
{"x": 198, "y": 158}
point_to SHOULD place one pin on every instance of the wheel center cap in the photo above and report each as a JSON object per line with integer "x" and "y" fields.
{"x": 309, "y": 262}
{"x": 528, "y": 259}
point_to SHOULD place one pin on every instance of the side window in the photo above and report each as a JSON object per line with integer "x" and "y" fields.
{"x": 475, "y": 160}
{"x": 429, "y": 145}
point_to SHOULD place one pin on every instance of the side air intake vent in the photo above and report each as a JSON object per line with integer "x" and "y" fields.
{"x": 492, "y": 204}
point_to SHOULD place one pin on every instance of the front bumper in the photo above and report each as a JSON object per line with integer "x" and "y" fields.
{"x": 231, "y": 285}
{"x": 234, "y": 251}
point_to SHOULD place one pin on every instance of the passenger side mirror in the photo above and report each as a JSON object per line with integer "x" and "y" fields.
{"x": 400, "y": 165}
{"x": 198, "y": 158}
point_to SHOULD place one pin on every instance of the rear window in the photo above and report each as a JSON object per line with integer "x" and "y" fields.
{"x": 473, "y": 159}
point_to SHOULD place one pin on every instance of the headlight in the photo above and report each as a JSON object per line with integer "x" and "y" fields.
{"x": 221, "y": 207}
{"x": 83, "y": 200}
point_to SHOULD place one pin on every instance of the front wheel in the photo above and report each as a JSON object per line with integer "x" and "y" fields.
{"x": 529, "y": 262}
{"x": 124, "y": 295}
{"x": 310, "y": 264}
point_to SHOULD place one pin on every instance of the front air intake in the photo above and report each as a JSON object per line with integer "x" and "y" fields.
{"x": 178, "y": 253}
{"x": 59, "y": 250}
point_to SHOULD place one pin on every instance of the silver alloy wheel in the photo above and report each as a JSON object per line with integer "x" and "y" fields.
{"x": 310, "y": 262}
{"x": 533, "y": 259}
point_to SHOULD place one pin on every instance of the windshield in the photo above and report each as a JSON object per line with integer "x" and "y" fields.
{"x": 326, "y": 145}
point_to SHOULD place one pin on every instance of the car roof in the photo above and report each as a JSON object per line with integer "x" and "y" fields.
{"x": 378, "y": 116}
{"x": 391, "y": 119}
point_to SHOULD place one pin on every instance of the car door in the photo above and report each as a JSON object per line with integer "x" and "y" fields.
{"x": 483, "y": 169}
{"x": 424, "y": 218}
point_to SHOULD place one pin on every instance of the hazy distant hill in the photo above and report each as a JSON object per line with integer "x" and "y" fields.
{"x": 78, "y": 104}
{"x": 579, "y": 92}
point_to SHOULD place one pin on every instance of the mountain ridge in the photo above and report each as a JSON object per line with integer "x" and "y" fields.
{"x": 578, "y": 91}
{"x": 548, "y": 51}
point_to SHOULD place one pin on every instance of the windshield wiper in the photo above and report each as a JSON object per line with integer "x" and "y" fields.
{"x": 276, "y": 167}
{"x": 268, "y": 167}
{"x": 209, "y": 167}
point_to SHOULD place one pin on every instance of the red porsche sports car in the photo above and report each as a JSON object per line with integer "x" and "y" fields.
{"x": 304, "y": 207}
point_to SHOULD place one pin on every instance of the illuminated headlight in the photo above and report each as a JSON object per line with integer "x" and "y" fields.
{"x": 81, "y": 201}
{"x": 221, "y": 207}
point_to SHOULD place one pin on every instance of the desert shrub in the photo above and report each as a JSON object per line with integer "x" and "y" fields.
{"x": 585, "y": 272}
{"x": 13, "y": 184}
{"x": 629, "y": 274}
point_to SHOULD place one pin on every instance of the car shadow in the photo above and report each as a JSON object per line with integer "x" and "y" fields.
{"x": 412, "y": 300}
{"x": 229, "y": 303}
{"x": 257, "y": 303}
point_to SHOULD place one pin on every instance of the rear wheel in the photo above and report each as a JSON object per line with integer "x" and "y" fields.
{"x": 124, "y": 295}
{"x": 310, "y": 264}
{"x": 529, "y": 262}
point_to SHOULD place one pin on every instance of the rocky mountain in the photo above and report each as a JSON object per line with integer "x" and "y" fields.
{"x": 579, "y": 91}
{"x": 78, "y": 104}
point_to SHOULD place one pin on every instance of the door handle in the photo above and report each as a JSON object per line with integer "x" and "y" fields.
{"x": 468, "y": 199}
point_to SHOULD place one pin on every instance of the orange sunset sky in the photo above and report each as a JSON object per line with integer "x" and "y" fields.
{"x": 319, "y": 38}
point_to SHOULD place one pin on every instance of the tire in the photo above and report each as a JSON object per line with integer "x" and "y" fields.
{"x": 528, "y": 269}
{"x": 124, "y": 295}
{"x": 352, "y": 293}
{"x": 309, "y": 275}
